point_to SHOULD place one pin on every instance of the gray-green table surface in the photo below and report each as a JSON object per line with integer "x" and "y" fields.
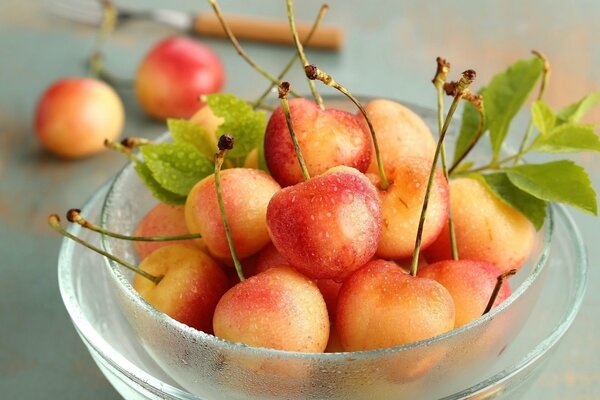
{"x": 390, "y": 51}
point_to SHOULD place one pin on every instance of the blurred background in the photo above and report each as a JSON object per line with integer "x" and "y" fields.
{"x": 389, "y": 51}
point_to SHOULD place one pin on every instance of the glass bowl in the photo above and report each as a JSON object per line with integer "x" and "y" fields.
{"x": 146, "y": 354}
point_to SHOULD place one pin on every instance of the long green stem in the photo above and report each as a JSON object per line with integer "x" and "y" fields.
{"x": 314, "y": 73}
{"x": 96, "y": 61}
{"x": 225, "y": 144}
{"x": 438, "y": 82}
{"x": 259, "y": 102}
{"x": 54, "y": 222}
{"x": 239, "y": 48}
{"x": 300, "y": 48}
{"x": 466, "y": 79}
{"x": 74, "y": 216}
{"x": 283, "y": 90}
{"x": 495, "y": 165}
{"x": 473, "y": 142}
{"x": 545, "y": 79}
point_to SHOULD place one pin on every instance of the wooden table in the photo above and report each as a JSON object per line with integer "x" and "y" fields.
{"x": 390, "y": 51}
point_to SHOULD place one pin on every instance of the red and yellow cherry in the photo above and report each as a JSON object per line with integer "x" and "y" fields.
{"x": 191, "y": 286}
{"x": 270, "y": 257}
{"x": 277, "y": 309}
{"x": 401, "y": 205}
{"x": 381, "y": 306}
{"x": 470, "y": 283}
{"x": 486, "y": 228}
{"x": 74, "y": 117}
{"x": 329, "y": 225}
{"x": 174, "y": 73}
{"x": 162, "y": 220}
{"x": 246, "y": 194}
{"x": 400, "y": 132}
{"x": 326, "y": 138}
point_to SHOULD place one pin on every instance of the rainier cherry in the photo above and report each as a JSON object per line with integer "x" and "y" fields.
{"x": 192, "y": 283}
{"x": 381, "y": 306}
{"x": 470, "y": 283}
{"x": 401, "y": 205}
{"x": 246, "y": 194}
{"x": 329, "y": 225}
{"x": 75, "y": 116}
{"x": 486, "y": 228}
{"x": 278, "y": 309}
{"x": 326, "y": 138}
{"x": 270, "y": 257}
{"x": 401, "y": 133}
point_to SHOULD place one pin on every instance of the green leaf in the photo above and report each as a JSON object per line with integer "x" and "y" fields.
{"x": 468, "y": 129}
{"x": 558, "y": 181}
{"x": 157, "y": 190}
{"x": 241, "y": 121}
{"x": 531, "y": 207}
{"x": 177, "y": 167}
{"x": 568, "y": 138}
{"x": 505, "y": 95}
{"x": 575, "y": 111}
{"x": 542, "y": 116}
{"x": 184, "y": 131}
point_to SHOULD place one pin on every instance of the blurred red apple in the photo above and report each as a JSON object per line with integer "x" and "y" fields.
{"x": 75, "y": 115}
{"x": 174, "y": 74}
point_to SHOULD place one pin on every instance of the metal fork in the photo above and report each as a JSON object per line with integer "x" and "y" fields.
{"x": 203, "y": 24}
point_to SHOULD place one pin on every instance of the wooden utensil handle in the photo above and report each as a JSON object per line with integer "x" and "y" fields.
{"x": 268, "y": 31}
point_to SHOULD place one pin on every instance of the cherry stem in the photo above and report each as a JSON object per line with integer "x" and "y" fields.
{"x": 73, "y": 215}
{"x": 500, "y": 280}
{"x": 259, "y": 103}
{"x": 494, "y": 165}
{"x": 300, "y": 49}
{"x": 99, "y": 70}
{"x": 122, "y": 149}
{"x": 134, "y": 142}
{"x": 54, "y": 222}
{"x": 443, "y": 68}
{"x": 239, "y": 48}
{"x": 479, "y": 106}
{"x": 225, "y": 144}
{"x": 462, "y": 88}
{"x": 263, "y": 106}
{"x": 96, "y": 64}
{"x": 314, "y": 73}
{"x": 283, "y": 91}
{"x": 545, "y": 78}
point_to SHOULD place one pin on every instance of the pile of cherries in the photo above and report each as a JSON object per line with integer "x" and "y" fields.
{"x": 326, "y": 242}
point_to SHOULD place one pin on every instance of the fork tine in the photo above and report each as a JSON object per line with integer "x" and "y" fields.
{"x": 84, "y": 11}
